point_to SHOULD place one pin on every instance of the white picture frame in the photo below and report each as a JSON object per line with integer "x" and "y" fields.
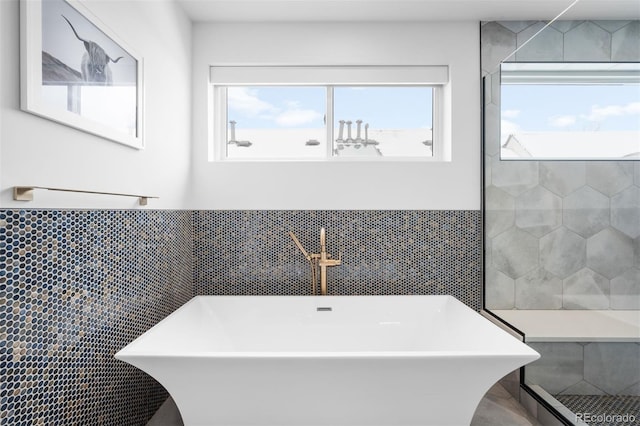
{"x": 77, "y": 72}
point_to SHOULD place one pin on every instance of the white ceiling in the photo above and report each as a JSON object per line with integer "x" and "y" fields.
{"x": 405, "y": 10}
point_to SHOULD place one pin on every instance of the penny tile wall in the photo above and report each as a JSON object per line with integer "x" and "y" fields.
{"x": 382, "y": 252}
{"x": 75, "y": 287}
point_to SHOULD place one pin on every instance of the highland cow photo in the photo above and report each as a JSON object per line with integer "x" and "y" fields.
{"x": 87, "y": 76}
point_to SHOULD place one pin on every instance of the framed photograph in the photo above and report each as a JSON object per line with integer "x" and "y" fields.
{"x": 78, "y": 73}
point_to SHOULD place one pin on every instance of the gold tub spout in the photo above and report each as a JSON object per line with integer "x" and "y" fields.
{"x": 325, "y": 262}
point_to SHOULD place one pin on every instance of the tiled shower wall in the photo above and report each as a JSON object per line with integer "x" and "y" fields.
{"x": 559, "y": 234}
{"x": 382, "y": 252}
{"x": 586, "y": 368}
{"x": 75, "y": 287}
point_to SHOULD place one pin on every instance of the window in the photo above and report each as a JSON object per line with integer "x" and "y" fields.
{"x": 275, "y": 122}
{"x": 276, "y": 113}
{"x": 387, "y": 121}
{"x": 570, "y": 111}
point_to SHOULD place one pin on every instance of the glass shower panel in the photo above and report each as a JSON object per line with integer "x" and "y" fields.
{"x": 562, "y": 243}
{"x": 562, "y": 260}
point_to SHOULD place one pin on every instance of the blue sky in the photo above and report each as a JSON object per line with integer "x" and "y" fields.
{"x": 555, "y": 108}
{"x": 291, "y": 107}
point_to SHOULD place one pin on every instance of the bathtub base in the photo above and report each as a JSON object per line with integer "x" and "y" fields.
{"x": 336, "y": 392}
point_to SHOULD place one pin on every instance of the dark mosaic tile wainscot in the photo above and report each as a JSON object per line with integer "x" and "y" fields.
{"x": 75, "y": 287}
{"x": 383, "y": 252}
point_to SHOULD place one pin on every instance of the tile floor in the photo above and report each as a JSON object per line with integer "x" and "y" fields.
{"x": 497, "y": 408}
{"x": 601, "y": 406}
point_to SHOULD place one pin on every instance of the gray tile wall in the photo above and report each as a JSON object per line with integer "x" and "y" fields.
{"x": 383, "y": 252}
{"x": 76, "y": 287}
{"x": 559, "y": 234}
{"x": 596, "y": 368}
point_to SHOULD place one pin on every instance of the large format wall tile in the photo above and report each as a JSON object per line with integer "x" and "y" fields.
{"x": 538, "y": 211}
{"x": 517, "y": 26}
{"x": 564, "y": 26}
{"x": 610, "y": 253}
{"x": 560, "y": 366}
{"x": 612, "y": 26}
{"x": 492, "y": 133}
{"x": 586, "y": 290}
{"x": 597, "y": 235}
{"x": 587, "y": 42}
{"x": 625, "y": 211}
{"x": 76, "y": 287}
{"x": 562, "y": 177}
{"x": 495, "y": 88}
{"x": 612, "y": 367}
{"x": 500, "y": 43}
{"x": 487, "y": 171}
{"x": 563, "y": 252}
{"x": 546, "y": 46}
{"x": 539, "y": 289}
{"x": 590, "y": 368}
{"x": 500, "y": 211}
{"x": 500, "y": 295}
{"x": 624, "y": 47}
{"x": 514, "y": 177}
{"x": 625, "y": 290}
{"x": 515, "y": 252}
{"x": 583, "y": 388}
{"x": 586, "y": 211}
{"x": 634, "y": 390}
{"x": 609, "y": 177}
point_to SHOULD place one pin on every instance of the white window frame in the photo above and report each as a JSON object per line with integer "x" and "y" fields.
{"x": 329, "y": 77}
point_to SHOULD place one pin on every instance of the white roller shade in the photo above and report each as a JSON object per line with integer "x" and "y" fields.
{"x": 351, "y": 75}
{"x": 569, "y": 73}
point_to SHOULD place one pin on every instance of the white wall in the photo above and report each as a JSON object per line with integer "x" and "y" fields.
{"x": 2, "y": 92}
{"x": 319, "y": 185}
{"x": 36, "y": 151}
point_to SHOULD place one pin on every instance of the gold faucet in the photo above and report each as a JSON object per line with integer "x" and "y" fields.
{"x": 325, "y": 261}
{"x": 322, "y": 259}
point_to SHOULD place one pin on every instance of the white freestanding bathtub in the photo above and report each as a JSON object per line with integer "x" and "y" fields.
{"x": 331, "y": 360}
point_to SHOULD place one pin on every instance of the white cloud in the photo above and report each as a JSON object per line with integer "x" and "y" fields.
{"x": 246, "y": 101}
{"x": 599, "y": 113}
{"x": 292, "y": 104}
{"x": 562, "y": 120}
{"x": 511, "y": 113}
{"x": 296, "y": 117}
